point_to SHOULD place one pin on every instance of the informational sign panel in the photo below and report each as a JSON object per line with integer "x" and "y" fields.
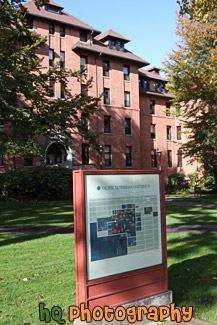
{"x": 120, "y": 236}
{"x": 123, "y": 223}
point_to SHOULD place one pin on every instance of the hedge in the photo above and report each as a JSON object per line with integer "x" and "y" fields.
{"x": 38, "y": 183}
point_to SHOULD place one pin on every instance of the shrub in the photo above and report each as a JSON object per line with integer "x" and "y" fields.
{"x": 194, "y": 179}
{"x": 36, "y": 183}
{"x": 175, "y": 182}
{"x": 209, "y": 182}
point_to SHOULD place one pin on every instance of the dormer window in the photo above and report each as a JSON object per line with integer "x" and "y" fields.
{"x": 116, "y": 45}
{"x": 144, "y": 83}
{"x": 159, "y": 86}
{"x": 83, "y": 35}
{"x": 54, "y": 9}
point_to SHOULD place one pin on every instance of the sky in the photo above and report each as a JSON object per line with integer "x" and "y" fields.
{"x": 149, "y": 24}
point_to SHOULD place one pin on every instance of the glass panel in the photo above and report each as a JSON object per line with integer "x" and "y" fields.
{"x": 62, "y": 59}
{"x": 126, "y": 99}
{"x": 62, "y": 30}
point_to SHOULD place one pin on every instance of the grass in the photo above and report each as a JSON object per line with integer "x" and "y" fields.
{"x": 192, "y": 273}
{"x": 190, "y": 215}
{"x": 36, "y": 214}
{"x": 205, "y": 198}
{"x": 42, "y": 269}
{"x": 34, "y": 270}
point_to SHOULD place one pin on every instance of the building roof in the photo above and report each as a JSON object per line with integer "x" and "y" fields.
{"x": 100, "y": 48}
{"x": 151, "y": 75}
{"x": 64, "y": 17}
{"x": 154, "y": 69}
{"x": 153, "y": 93}
{"x": 55, "y": 4}
{"x": 111, "y": 33}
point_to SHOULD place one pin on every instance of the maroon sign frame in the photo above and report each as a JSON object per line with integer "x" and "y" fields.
{"x": 114, "y": 290}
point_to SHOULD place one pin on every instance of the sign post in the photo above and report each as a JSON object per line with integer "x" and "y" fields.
{"x": 120, "y": 237}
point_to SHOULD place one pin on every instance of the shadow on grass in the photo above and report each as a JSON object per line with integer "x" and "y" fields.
{"x": 190, "y": 215}
{"x": 36, "y": 215}
{"x": 15, "y": 239}
{"x": 192, "y": 284}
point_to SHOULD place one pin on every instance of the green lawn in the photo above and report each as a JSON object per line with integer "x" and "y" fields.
{"x": 205, "y": 198}
{"x": 42, "y": 269}
{"x": 36, "y": 214}
{"x": 35, "y": 270}
{"x": 190, "y": 215}
{"x": 192, "y": 273}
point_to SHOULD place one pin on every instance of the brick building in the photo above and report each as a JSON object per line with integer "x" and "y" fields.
{"x": 134, "y": 117}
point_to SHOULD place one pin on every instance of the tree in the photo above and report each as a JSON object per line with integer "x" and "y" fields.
{"x": 24, "y": 80}
{"x": 192, "y": 75}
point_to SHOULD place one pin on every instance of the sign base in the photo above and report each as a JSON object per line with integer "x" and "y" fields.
{"x": 162, "y": 299}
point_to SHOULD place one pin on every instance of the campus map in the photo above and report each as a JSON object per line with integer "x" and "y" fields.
{"x": 123, "y": 226}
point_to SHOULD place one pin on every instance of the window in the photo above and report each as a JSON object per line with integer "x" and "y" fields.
{"x": 152, "y": 107}
{"x": 126, "y": 73}
{"x": 179, "y": 158}
{"x": 178, "y": 110}
{"x": 116, "y": 44}
{"x": 169, "y": 133}
{"x": 112, "y": 44}
{"x": 169, "y": 157}
{"x": 29, "y": 21}
{"x": 84, "y": 122}
{"x": 28, "y": 162}
{"x": 107, "y": 125}
{"x": 83, "y": 35}
{"x": 128, "y": 126}
{"x": 63, "y": 90}
{"x": 126, "y": 99}
{"x": 159, "y": 86}
{"x": 1, "y": 160}
{"x": 52, "y": 88}
{"x": 51, "y": 58}
{"x": 84, "y": 89}
{"x": 62, "y": 60}
{"x": 105, "y": 68}
{"x": 128, "y": 156}
{"x": 53, "y": 9}
{"x": 153, "y": 131}
{"x": 85, "y": 154}
{"x": 179, "y": 135}
{"x": 106, "y": 96}
{"x": 83, "y": 63}
{"x": 168, "y": 109}
{"x": 62, "y": 30}
{"x": 107, "y": 153}
{"x": 51, "y": 28}
{"x": 154, "y": 158}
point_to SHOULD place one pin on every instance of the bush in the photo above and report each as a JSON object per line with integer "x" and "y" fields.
{"x": 175, "y": 182}
{"x": 194, "y": 179}
{"x": 42, "y": 183}
{"x": 209, "y": 182}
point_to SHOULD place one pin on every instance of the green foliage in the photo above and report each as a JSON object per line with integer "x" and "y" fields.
{"x": 209, "y": 182}
{"x": 194, "y": 179}
{"x": 192, "y": 74}
{"x": 26, "y": 108}
{"x": 36, "y": 183}
{"x": 176, "y": 182}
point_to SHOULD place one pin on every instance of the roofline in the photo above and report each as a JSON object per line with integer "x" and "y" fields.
{"x": 152, "y": 93}
{"x": 142, "y": 64}
{"x": 97, "y": 32}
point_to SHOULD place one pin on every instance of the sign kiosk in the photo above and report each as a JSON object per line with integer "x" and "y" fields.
{"x": 120, "y": 236}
